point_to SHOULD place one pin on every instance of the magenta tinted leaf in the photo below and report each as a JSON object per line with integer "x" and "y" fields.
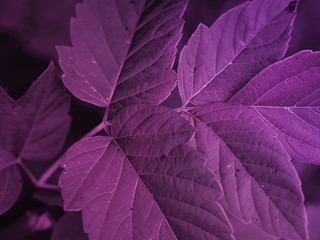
{"x": 259, "y": 182}
{"x": 287, "y": 95}
{"x": 34, "y": 127}
{"x": 122, "y": 51}
{"x": 144, "y": 182}
{"x": 69, "y": 227}
{"x": 219, "y": 60}
{"x": 10, "y": 181}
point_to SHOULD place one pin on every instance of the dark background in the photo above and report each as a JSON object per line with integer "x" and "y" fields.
{"x": 29, "y": 31}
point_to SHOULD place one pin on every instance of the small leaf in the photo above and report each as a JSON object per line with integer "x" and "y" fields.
{"x": 219, "y": 60}
{"x": 122, "y": 51}
{"x": 143, "y": 183}
{"x": 69, "y": 227}
{"x": 34, "y": 127}
{"x": 10, "y": 181}
{"x": 259, "y": 182}
{"x": 287, "y": 95}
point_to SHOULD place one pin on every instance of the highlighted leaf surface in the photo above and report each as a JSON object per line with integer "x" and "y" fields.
{"x": 287, "y": 95}
{"x": 219, "y": 60}
{"x": 144, "y": 182}
{"x": 122, "y": 51}
{"x": 259, "y": 182}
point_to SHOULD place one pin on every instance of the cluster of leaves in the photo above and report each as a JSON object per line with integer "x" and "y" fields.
{"x": 159, "y": 173}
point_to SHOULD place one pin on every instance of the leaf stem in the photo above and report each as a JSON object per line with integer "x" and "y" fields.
{"x": 27, "y": 171}
{"x": 55, "y": 166}
{"x": 184, "y": 109}
{"x": 95, "y": 130}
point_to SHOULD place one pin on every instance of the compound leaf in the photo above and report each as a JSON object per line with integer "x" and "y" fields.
{"x": 144, "y": 182}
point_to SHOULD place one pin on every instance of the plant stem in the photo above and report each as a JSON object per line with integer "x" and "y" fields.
{"x": 95, "y": 130}
{"x": 184, "y": 109}
{"x": 55, "y": 166}
{"x": 27, "y": 171}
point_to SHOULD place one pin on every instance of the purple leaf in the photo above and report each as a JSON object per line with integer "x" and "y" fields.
{"x": 287, "y": 95}
{"x": 219, "y": 60}
{"x": 10, "y": 181}
{"x": 313, "y": 220}
{"x": 144, "y": 182}
{"x": 69, "y": 227}
{"x": 34, "y": 127}
{"x": 122, "y": 51}
{"x": 260, "y": 184}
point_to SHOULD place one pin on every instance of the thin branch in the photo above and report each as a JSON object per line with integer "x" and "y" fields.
{"x": 184, "y": 109}
{"x": 95, "y": 130}
{"x": 55, "y": 166}
{"x": 27, "y": 171}
{"x": 49, "y": 172}
{"x": 48, "y": 186}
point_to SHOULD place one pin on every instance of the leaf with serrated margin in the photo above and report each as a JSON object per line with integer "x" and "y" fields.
{"x": 219, "y": 60}
{"x": 287, "y": 95}
{"x": 259, "y": 182}
{"x": 144, "y": 182}
{"x": 35, "y": 126}
{"x": 122, "y": 51}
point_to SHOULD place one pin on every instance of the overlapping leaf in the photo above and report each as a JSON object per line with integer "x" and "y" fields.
{"x": 259, "y": 182}
{"x": 144, "y": 182}
{"x": 287, "y": 95}
{"x": 32, "y": 128}
{"x": 219, "y": 60}
{"x": 122, "y": 51}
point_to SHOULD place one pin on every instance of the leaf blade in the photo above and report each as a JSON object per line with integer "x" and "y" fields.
{"x": 143, "y": 172}
{"x": 122, "y": 51}
{"x": 10, "y": 181}
{"x": 35, "y": 126}
{"x": 219, "y": 60}
{"x": 289, "y": 101}
{"x": 255, "y": 172}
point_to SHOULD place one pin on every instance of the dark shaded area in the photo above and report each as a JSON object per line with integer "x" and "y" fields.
{"x": 291, "y": 7}
{"x": 29, "y": 31}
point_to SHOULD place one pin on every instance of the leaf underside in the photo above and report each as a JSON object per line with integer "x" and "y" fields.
{"x": 287, "y": 96}
{"x": 221, "y": 59}
{"x": 144, "y": 182}
{"x": 259, "y": 182}
{"x": 122, "y": 51}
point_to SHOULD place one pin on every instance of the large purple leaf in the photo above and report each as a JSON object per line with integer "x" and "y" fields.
{"x": 259, "y": 182}
{"x": 122, "y": 51}
{"x": 219, "y": 60}
{"x": 144, "y": 182}
{"x": 287, "y": 95}
{"x": 10, "y": 181}
{"x": 34, "y": 127}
